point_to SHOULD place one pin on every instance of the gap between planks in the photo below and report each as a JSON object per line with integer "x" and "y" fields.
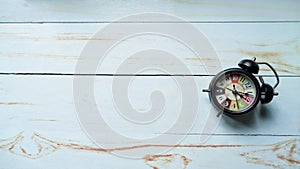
{"x": 106, "y": 74}
{"x": 89, "y": 22}
{"x": 234, "y": 134}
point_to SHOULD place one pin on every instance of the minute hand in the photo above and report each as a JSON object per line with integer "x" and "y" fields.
{"x": 239, "y": 93}
{"x": 236, "y": 93}
{"x": 229, "y": 89}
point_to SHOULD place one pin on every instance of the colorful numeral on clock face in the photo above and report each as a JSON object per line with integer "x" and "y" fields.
{"x": 235, "y": 92}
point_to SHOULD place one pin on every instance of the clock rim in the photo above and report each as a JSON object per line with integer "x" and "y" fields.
{"x": 233, "y": 70}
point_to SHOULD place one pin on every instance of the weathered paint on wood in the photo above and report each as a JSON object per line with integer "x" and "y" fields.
{"x": 39, "y": 127}
{"x": 281, "y": 153}
{"x": 107, "y": 10}
{"x": 38, "y": 123}
{"x": 55, "y": 48}
{"x": 29, "y": 101}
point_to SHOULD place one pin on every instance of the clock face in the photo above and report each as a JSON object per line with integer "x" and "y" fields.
{"x": 235, "y": 91}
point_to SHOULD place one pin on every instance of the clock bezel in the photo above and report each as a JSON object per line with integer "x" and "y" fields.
{"x": 232, "y": 71}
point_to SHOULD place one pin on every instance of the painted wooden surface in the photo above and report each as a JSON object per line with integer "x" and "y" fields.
{"x": 47, "y": 129}
{"x": 39, "y": 127}
{"x": 191, "y": 10}
{"x": 55, "y": 48}
{"x": 58, "y": 91}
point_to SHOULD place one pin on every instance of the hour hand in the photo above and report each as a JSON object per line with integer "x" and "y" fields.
{"x": 246, "y": 94}
{"x": 236, "y": 101}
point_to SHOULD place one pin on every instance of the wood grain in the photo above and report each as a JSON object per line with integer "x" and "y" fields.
{"x": 282, "y": 153}
{"x": 191, "y": 10}
{"x": 55, "y": 48}
{"x": 41, "y": 41}
{"x": 46, "y": 103}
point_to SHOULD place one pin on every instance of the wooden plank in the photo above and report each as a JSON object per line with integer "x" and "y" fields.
{"x": 191, "y": 10}
{"x": 30, "y": 101}
{"x": 55, "y": 48}
{"x": 38, "y": 120}
{"x": 39, "y": 126}
{"x": 277, "y": 152}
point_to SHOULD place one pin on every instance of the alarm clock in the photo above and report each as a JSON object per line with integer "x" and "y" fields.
{"x": 237, "y": 91}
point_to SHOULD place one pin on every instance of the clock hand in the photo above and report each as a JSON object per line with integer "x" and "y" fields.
{"x": 243, "y": 95}
{"x": 236, "y": 101}
{"x": 234, "y": 88}
{"x": 235, "y": 92}
{"x": 246, "y": 94}
{"x": 239, "y": 93}
{"x": 229, "y": 89}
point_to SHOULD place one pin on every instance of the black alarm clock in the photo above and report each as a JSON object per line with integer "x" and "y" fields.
{"x": 236, "y": 91}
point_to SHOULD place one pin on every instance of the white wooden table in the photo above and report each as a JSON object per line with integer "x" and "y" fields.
{"x": 41, "y": 42}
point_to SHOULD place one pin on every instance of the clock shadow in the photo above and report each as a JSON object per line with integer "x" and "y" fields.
{"x": 241, "y": 121}
{"x": 249, "y": 120}
{"x": 264, "y": 112}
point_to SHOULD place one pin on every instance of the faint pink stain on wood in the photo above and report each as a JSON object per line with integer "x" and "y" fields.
{"x": 285, "y": 155}
{"x": 14, "y": 103}
{"x": 167, "y": 161}
{"x": 280, "y": 155}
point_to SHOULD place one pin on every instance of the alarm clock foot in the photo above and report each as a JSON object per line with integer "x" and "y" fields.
{"x": 206, "y": 90}
{"x": 221, "y": 112}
